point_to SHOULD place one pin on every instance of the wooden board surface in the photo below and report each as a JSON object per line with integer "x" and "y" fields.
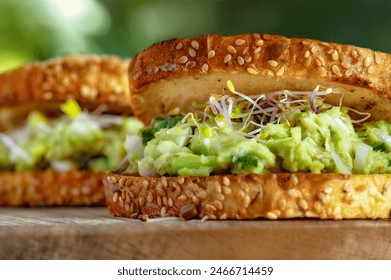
{"x": 91, "y": 233}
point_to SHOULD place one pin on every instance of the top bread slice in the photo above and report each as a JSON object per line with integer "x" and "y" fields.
{"x": 180, "y": 72}
{"x": 91, "y": 80}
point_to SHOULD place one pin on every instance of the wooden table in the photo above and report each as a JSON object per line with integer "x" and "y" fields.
{"x": 91, "y": 233}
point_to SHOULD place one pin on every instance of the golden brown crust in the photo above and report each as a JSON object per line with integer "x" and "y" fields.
{"x": 271, "y": 196}
{"x": 91, "y": 80}
{"x": 49, "y": 188}
{"x": 178, "y": 72}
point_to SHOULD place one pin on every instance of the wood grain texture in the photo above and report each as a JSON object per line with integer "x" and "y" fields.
{"x": 91, "y": 233}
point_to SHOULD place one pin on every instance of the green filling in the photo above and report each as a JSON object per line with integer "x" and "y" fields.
{"x": 319, "y": 143}
{"x": 76, "y": 140}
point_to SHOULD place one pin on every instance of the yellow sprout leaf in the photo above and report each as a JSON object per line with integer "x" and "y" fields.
{"x": 264, "y": 135}
{"x": 230, "y": 86}
{"x": 71, "y": 108}
{"x": 287, "y": 123}
{"x": 208, "y": 132}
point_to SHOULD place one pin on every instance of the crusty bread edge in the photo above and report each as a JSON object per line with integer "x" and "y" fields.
{"x": 178, "y": 72}
{"x": 270, "y": 196}
{"x": 92, "y": 80}
{"x": 50, "y": 188}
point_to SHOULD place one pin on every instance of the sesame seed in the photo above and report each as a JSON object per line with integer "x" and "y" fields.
{"x": 280, "y": 71}
{"x": 170, "y": 202}
{"x": 113, "y": 179}
{"x": 270, "y": 74}
{"x": 122, "y": 182}
{"x": 314, "y": 49}
{"x": 181, "y": 180}
{"x": 165, "y": 201}
{"x": 239, "y": 42}
{"x": 318, "y": 206}
{"x": 127, "y": 207}
{"x": 141, "y": 201}
{"x": 161, "y": 191}
{"x": 349, "y": 72}
{"x": 231, "y": 49}
{"x": 240, "y": 60}
{"x": 354, "y": 54}
{"x": 211, "y": 53}
{"x": 293, "y": 193}
{"x": 210, "y": 208}
{"x": 163, "y": 211}
{"x": 247, "y": 58}
{"x": 345, "y": 65}
{"x": 192, "y": 52}
{"x": 212, "y": 217}
{"x": 195, "y": 44}
{"x": 182, "y": 197}
{"x": 246, "y": 201}
{"x": 150, "y": 197}
{"x": 191, "y": 65}
{"x": 309, "y": 214}
{"x": 220, "y": 196}
{"x": 367, "y": 62}
{"x": 336, "y": 70}
{"x": 259, "y": 43}
{"x": 115, "y": 197}
{"x": 202, "y": 195}
{"x": 205, "y": 68}
{"x": 378, "y": 59}
{"x": 267, "y": 37}
{"x": 183, "y": 59}
{"x": 271, "y": 216}
{"x": 303, "y": 204}
{"x": 321, "y": 61}
{"x": 223, "y": 216}
{"x": 218, "y": 204}
{"x": 195, "y": 200}
{"x": 328, "y": 190}
{"x": 295, "y": 180}
{"x": 371, "y": 69}
{"x": 179, "y": 46}
{"x": 273, "y": 63}
{"x": 245, "y": 50}
{"x": 334, "y": 55}
{"x": 252, "y": 71}
{"x": 217, "y": 187}
{"x": 289, "y": 213}
{"x": 188, "y": 193}
{"x": 257, "y": 50}
{"x": 307, "y": 54}
{"x": 164, "y": 181}
{"x": 226, "y": 190}
{"x": 159, "y": 201}
{"x": 226, "y": 181}
{"x": 145, "y": 183}
{"x": 121, "y": 201}
{"x": 282, "y": 204}
{"x": 227, "y": 58}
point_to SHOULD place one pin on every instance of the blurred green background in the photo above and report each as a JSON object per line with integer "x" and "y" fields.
{"x": 41, "y": 29}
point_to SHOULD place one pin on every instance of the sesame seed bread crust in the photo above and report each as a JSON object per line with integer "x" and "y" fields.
{"x": 91, "y": 80}
{"x": 49, "y": 188}
{"x": 178, "y": 72}
{"x": 271, "y": 196}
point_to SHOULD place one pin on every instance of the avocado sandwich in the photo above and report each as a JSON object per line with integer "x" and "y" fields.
{"x": 257, "y": 126}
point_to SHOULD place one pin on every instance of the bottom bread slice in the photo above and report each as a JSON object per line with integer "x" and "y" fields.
{"x": 270, "y": 196}
{"x": 50, "y": 188}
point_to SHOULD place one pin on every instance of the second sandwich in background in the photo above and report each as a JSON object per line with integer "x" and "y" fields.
{"x": 63, "y": 124}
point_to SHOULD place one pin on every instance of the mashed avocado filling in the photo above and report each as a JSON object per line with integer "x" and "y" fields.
{"x": 77, "y": 140}
{"x": 276, "y": 132}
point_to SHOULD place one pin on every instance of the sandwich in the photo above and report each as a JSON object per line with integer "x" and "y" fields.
{"x": 63, "y": 124}
{"x": 258, "y": 126}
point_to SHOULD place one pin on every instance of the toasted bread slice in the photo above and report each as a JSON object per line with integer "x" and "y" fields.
{"x": 271, "y": 196}
{"x": 180, "y": 72}
{"x": 50, "y": 188}
{"x": 91, "y": 80}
